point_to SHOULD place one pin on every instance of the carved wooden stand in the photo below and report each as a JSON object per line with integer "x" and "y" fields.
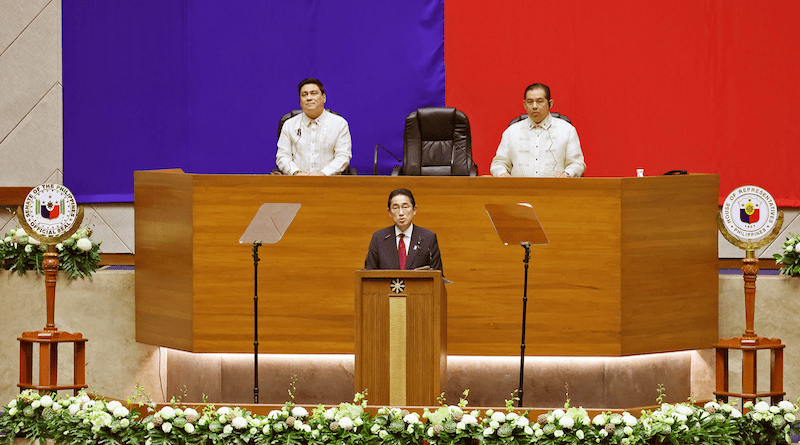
{"x": 48, "y": 341}
{"x": 749, "y": 344}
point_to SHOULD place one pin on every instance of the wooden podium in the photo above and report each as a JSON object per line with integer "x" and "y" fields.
{"x": 400, "y": 336}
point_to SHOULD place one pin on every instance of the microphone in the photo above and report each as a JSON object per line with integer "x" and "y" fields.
{"x": 469, "y": 156}
{"x": 387, "y": 151}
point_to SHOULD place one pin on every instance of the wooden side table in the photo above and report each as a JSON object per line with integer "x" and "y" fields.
{"x": 48, "y": 342}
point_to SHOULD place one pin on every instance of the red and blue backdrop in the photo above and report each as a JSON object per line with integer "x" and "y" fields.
{"x": 708, "y": 86}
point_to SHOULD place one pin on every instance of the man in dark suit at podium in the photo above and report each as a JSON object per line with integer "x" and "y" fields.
{"x": 403, "y": 246}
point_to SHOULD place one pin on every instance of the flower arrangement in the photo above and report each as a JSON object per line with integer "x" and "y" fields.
{"x": 770, "y": 424}
{"x": 80, "y": 419}
{"x": 78, "y": 255}
{"x": 790, "y": 260}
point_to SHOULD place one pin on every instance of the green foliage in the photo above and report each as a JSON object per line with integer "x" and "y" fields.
{"x": 790, "y": 260}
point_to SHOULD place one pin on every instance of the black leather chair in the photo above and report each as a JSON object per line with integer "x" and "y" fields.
{"x": 347, "y": 170}
{"x": 524, "y": 116}
{"x": 437, "y": 142}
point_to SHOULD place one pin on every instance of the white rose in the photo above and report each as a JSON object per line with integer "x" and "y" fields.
{"x": 306, "y": 428}
{"x": 59, "y": 247}
{"x": 299, "y": 411}
{"x": 375, "y": 428}
{"x": 684, "y": 410}
{"x": 190, "y": 412}
{"x": 629, "y": 420}
{"x": 469, "y": 419}
{"x": 627, "y": 430}
{"x": 224, "y": 411}
{"x": 239, "y": 423}
{"x": 167, "y": 413}
{"x": 774, "y": 409}
{"x": 256, "y": 422}
{"x": 166, "y": 427}
{"x": 539, "y": 433}
{"x": 36, "y": 404}
{"x": 346, "y": 423}
{"x": 786, "y": 405}
{"x": 28, "y": 248}
{"x": 566, "y": 422}
{"x": 603, "y": 432}
{"x": 761, "y": 407}
{"x": 358, "y": 421}
{"x": 599, "y": 420}
{"x": 84, "y": 244}
{"x": 499, "y": 417}
{"x": 330, "y": 414}
{"x": 789, "y": 417}
{"x": 528, "y": 430}
{"x": 74, "y": 408}
{"x": 579, "y": 434}
{"x": 522, "y": 422}
{"x": 57, "y": 407}
{"x": 273, "y": 415}
{"x": 558, "y": 413}
{"x": 46, "y": 401}
{"x": 511, "y": 416}
{"x": 383, "y": 433}
{"x": 228, "y": 429}
{"x": 113, "y": 405}
{"x": 124, "y": 423}
{"x": 12, "y": 403}
{"x": 12, "y": 412}
{"x": 189, "y": 428}
{"x": 121, "y": 412}
{"x": 488, "y": 432}
{"x": 494, "y": 424}
{"x": 558, "y": 433}
{"x": 410, "y": 418}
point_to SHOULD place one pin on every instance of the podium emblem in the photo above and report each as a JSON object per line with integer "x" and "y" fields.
{"x": 397, "y": 285}
{"x": 50, "y": 210}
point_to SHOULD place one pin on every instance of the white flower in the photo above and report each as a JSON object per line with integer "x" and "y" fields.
{"x": 113, "y": 405}
{"x": 786, "y": 405}
{"x": 528, "y": 430}
{"x": 603, "y": 432}
{"x": 36, "y": 404}
{"x": 712, "y": 404}
{"x": 488, "y": 432}
{"x": 299, "y": 411}
{"x": 629, "y": 419}
{"x": 306, "y": 428}
{"x": 522, "y": 422}
{"x": 46, "y": 401}
{"x": 346, "y": 423}
{"x": 28, "y": 248}
{"x": 774, "y": 409}
{"x": 256, "y": 422}
{"x": 189, "y": 428}
{"x": 84, "y": 244}
{"x": 273, "y": 415}
{"x": 469, "y": 419}
{"x": 376, "y": 427}
{"x": 789, "y": 417}
{"x": 599, "y": 420}
{"x": 330, "y": 414}
{"x": 166, "y": 427}
{"x": 265, "y": 430}
{"x": 124, "y": 423}
{"x": 566, "y": 422}
{"x": 498, "y": 417}
{"x": 579, "y": 434}
{"x": 358, "y": 421}
{"x": 539, "y": 432}
{"x": 558, "y": 433}
{"x": 224, "y": 411}
{"x": 57, "y": 407}
{"x": 12, "y": 412}
{"x": 19, "y": 232}
{"x": 190, "y": 412}
{"x": 383, "y": 433}
{"x": 228, "y": 429}
{"x": 239, "y": 422}
{"x": 511, "y": 416}
{"x": 121, "y": 412}
{"x": 627, "y": 430}
{"x": 12, "y": 403}
{"x": 59, "y": 247}
{"x": 558, "y": 413}
{"x": 761, "y": 407}
{"x": 684, "y": 410}
{"x": 167, "y": 413}
{"x": 410, "y": 418}
{"x": 74, "y": 408}
{"x": 494, "y": 424}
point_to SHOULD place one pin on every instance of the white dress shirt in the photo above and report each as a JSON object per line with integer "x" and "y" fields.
{"x": 406, "y": 237}
{"x": 322, "y": 144}
{"x": 539, "y": 150}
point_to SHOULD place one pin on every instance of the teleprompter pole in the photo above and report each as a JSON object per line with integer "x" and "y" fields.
{"x": 527, "y": 246}
{"x": 256, "y": 244}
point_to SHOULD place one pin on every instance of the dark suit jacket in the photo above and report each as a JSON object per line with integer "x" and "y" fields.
{"x": 423, "y": 250}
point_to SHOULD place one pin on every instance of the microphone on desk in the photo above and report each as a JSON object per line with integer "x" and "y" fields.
{"x": 387, "y": 151}
{"x": 469, "y": 156}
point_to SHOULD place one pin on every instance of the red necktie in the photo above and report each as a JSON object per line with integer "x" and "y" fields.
{"x": 401, "y": 252}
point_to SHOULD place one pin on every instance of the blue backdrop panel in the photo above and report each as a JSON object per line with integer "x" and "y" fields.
{"x": 200, "y": 85}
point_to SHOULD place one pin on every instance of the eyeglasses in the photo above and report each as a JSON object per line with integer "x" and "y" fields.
{"x": 404, "y": 207}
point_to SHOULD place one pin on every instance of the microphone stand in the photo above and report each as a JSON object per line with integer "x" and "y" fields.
{"x": 256, "y": 244}
{"x": 527, "y": 246}
{"x": 387, "y": 151}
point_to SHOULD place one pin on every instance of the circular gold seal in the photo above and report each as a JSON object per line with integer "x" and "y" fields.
{"x": 750, "y": 214}
{"x": 50, "y": 210}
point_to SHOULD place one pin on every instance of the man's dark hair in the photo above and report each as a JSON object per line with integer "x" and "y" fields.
{"x": 406, "y": 192}
{"x": 535, "y": 86}
{"x": 315, "y": 82}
